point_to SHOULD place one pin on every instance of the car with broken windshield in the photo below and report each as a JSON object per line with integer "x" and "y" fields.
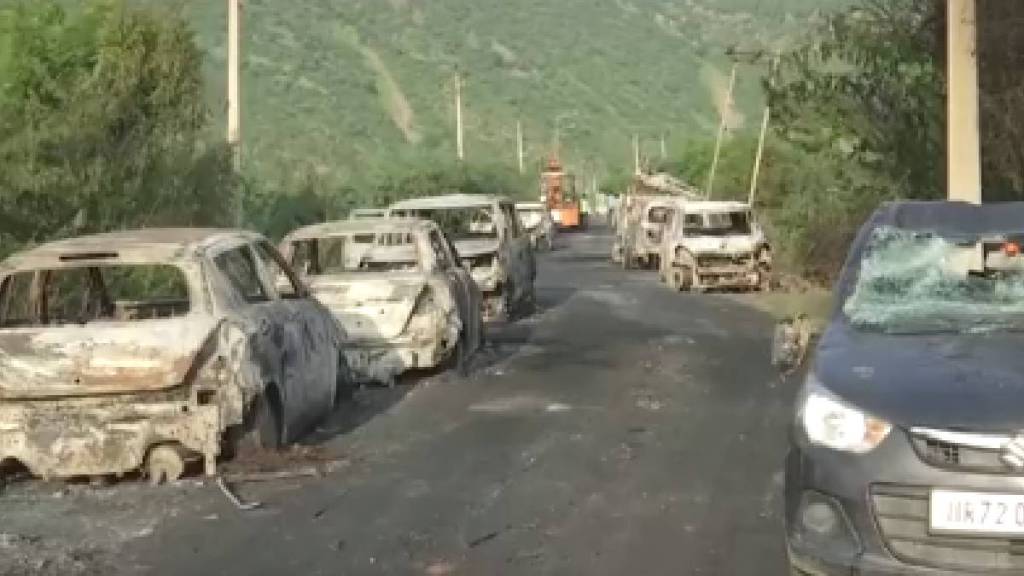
{"x": 714, "y": 245}
{"x": 489, "y": 240}
{"x": 401, "y": 296}
{"x": 907, "y": 452}
{"x": 150, "y": 349}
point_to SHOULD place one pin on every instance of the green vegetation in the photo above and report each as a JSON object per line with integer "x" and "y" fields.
{"x": 101, "y": 112}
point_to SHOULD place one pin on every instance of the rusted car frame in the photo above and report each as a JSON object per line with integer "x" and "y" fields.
{"x": 489, "y": 240}
{"x": 146, "y": 349}
{"x": 401, "y": 296}
{"x": 715, "y": 245}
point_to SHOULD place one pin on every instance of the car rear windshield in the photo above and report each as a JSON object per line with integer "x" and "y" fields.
{"x": 79, "y": 295}
{"x": 717, "y": 223}
{"x": 920, "y": 282}
{"x": 371, "y": 252}
{"x": 464, "y": 223}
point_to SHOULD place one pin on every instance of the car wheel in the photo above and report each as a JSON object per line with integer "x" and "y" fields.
{"x": 164, "y": 463}
{"x": 675, "y": 279}
{"x": 265, "y": 430}
{"x": 461, "y": 354}
{"x": 764, "y": 277}
{"x": 344, "y": 385}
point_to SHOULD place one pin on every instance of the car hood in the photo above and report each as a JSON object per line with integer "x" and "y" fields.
{"x": 100, "y": 358}
{"x": 370, "y": 307}
{"x": 971, "y": 382}
{"x": 737, "y": 244}
{"x": 476, "y": 247}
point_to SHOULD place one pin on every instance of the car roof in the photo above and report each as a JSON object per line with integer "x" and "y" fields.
{"x": 365, "y": 226}
{"x": 151, "y": 245}
{"x": 530, "y": 205}
{"x": 448, "y": 201}
{"x": 715, "y": 206}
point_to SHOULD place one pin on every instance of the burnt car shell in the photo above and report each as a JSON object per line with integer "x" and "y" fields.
{"x": 931, "y": 388}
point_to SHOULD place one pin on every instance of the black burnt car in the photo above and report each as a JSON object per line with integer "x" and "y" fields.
{"x": 907, "y": 453}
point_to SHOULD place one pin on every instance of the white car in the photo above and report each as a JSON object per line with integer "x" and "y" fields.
{"x": 709, "y": 244}
{"x": 490, "y": 241}
{"x": 396, "y": 287}
{"x": 537, "y": 221}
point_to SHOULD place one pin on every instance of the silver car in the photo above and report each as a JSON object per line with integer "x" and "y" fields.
{"x": 402, "y": 297}
{"x": 155, "y": 347}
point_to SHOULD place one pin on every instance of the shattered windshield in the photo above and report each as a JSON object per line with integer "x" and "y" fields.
{"x": 914, "y": 282}
{"x": 468, "y": 223}
{"x": 717, "y": 224}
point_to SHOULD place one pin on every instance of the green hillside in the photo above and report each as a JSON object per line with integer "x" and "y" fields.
{"x": 351, "y": 89}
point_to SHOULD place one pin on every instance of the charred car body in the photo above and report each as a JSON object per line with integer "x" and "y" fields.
{"x": 403, "y": 299}
{"x": 489, "y": 240}
{"x": 134, "y": 349}
{"x": 644, "y": 214}
{"x": 536, "y": 220}
{"x": 711, "y": 244}
{"x": 906, "y": 450}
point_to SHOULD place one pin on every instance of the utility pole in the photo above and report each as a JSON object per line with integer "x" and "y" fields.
{"x": 459, "y": 146}
{"x": 519, "y": 146}
{"x": 727, "y": 105}
{"x": 760, "y": 154}
{"x": 664, "y": 150}
{"x": 963, "y": 140}
{"x": 233, "y": 96}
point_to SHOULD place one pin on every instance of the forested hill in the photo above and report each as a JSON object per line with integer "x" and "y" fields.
{"x": 352, "y": 89}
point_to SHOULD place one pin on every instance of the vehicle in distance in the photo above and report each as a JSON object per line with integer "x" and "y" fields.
{"x": 537, "y": 222}
{"x": 906, "y": 453}
{"x": 712, "y": 245}
{"x": 154, "y": 347}
{"x": 489, "y": 240}
{"x": 401, "y": 296}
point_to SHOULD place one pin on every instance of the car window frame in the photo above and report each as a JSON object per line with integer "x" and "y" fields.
{"x": 270, "y": 280}
{"x": 245, "y": 248}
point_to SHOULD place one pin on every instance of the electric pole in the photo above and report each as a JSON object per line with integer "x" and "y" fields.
{"x": 760, "y": 155}
{"x": 234, "y": 120}
{"x": 459, "y": 147}
{"x": 726, "y": 107}
{"x": 664, "y": 150}
{"x": 519, "y": 147}
{"x": 963, "y": 140}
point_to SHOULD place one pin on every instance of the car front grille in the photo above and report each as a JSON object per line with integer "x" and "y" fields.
{"x": 959, "y": 455}
{"x": 901, "y": 513}
{"x": 723, "y": 260}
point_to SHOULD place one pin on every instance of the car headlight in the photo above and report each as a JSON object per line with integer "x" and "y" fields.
{"x": 830, "y": 422}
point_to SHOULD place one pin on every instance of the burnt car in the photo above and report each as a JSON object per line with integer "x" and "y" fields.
{"x": 489, "y": 240}
{"x": 907, "y": 452}
{"x": 714, "y": 245}
{"x": 401, "y": 296}
{"x": 536, "y": 220}
{"x": 145, "y": 349}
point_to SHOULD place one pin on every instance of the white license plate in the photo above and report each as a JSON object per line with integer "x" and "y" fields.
{"x": 978, "y": 513}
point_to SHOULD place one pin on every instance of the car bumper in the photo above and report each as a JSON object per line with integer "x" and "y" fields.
{"x": 880, "y": 502}
{"x": 729, "y": 277}
{"x": 100, "y": 436}
{"x": 381, "y": 362}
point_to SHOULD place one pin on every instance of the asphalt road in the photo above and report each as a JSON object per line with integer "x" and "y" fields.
{"x": 622, "y": 429}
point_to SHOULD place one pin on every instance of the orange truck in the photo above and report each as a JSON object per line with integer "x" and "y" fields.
{"x": 559, "y": 193}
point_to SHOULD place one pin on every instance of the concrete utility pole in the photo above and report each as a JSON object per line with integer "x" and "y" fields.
{"x": 459, "y": 147}
{"x": 726, "y": 106}
{"x": 760, "y": 154}
{"x": 664, "y": 149}
{"x": 234, "y": 102}
{"x": 963, "y": 139}
{"x": 519, "y": 146}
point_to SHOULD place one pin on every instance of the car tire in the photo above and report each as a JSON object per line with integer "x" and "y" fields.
{"x": 675, "y": 279}
{"x": 344, "y": 383}
{"x": 265, "y": 432}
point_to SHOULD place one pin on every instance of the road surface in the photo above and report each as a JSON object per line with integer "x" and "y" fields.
{"x": 622, "y": 429}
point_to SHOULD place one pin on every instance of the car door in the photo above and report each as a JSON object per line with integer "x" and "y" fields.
{"x": 520, "y": 256}
{"x": 311, "y": 333}
{"x": 461, "y": 286}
